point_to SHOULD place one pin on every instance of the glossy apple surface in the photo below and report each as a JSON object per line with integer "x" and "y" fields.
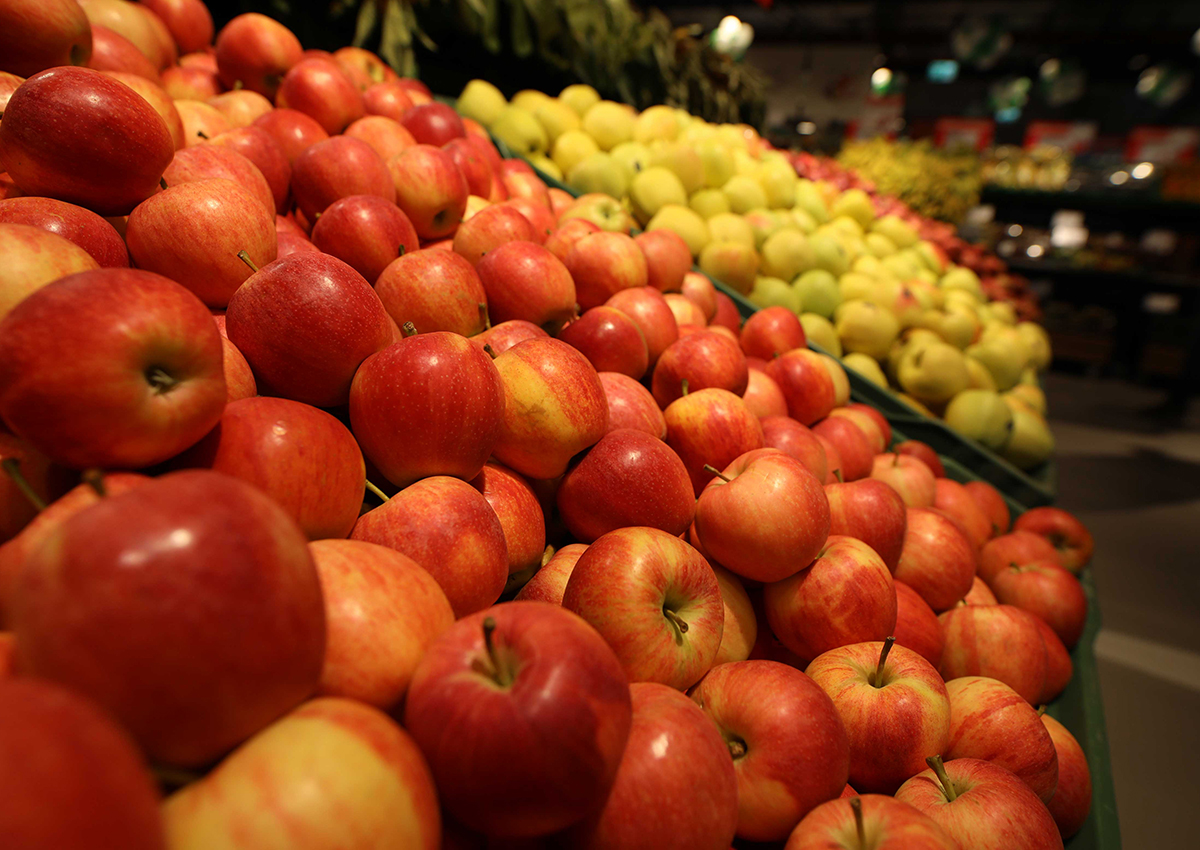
{"x": 630, "y": 405}
{"x": 938, "y": 559}
{"x": 610, "y": 340}
{"x": 1048, "y": 591}
{"x": 73, "y": 223}
{"x": 367, "y": 233}
{"x": 955, "y": 500}
{"x": 924, "y": 453}
{"x": 852, "y": 444}
{"x": 1064, "y": 532}
{"x": 457, "y": 304}
{"x": 870, "y": 511}
{"x": 917, "y": 626}
{"x": 1072, "y": 800}
{"x": 36, "y": 35}
{"x": 1016, "y": 547}
{"x": 806, "y": 384}
{"x": 908, "y": 476}
{"x": 525, "y": 281}
{"x": 549, "y": 582}
{"x": 650, "y": 312}
{"x": 798, "y": 441}
{"x": 255, "y": 51}
{"x": 992, "y": 504}
{"x": 704, "y": 360}
{"x": 711, "y": 427}
{"x": 887, "y": 824}
{"x": 772, "y": 331}
{"x": 519, "y": 512}
{"x": 998, "y": 641}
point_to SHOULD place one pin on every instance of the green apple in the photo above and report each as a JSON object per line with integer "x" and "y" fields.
{"x": 598, "y": 173}
{"x": 981, "y": 378}
{"x": 764, "y": 223}
{"x": 847, "y": 226}
{"x": 856, "y": 285}
{"x": 1002, "y": 312}
{"x": 869, "y": 264}
{"x": 604, "y": 211}
{"x": 609, "y": 124}
{"x": 829, "y": 253}
{"x": 980, "y": 415}
{"x": 728, "y": 227}
{"x": 961, "y": 277}
{"x": 856, "y": 204}
{"x": 580, "y": 97}
{"x": 1037, "y": 342}
{"x": 778, "y": 180}
{"x": 934, "y": 260}
{"x": 556, "y": 118}
{"x": 1031, "y": 442}
{"x": 786, "y": 254}
{"x": 658, "y": 123}
{"x": 802, "y": 219}
{"x": 572, "y": 148}
{"x": 716, "y": 161}
{"x": 865, "y": 366}
{"x": 481, "y": 101}
{"x": 633, "y": 157}
{"x": 745, "y": 165}
{"x": 682, "y": 160}
{"x": 900, "y": 232}
{"x": 933, "y": 374}
{"x": 818, "y": 291}
{"x": 879, "y": 245}
{"x": 686, "y": 222}
{"x": 546, "y": 165}
{"x": 866, "y": 327}
{"x": 523, "y": 133}
{"x": 820, "y": 330}
{"x": 773, "y": 292}
{"x": 709, "y": 202}
{"x": 809, "y": 199}
{"x": 964, "y": 300}
{"x": 744, "y": 193}
{"x": 900, "y": 265}
{"x": 960, "y": 326}
{"x": 529, "y": 100}
{"x": 653, "y": 189}
{"x": 1004, "y": 353}
{"x": 733, "y": 263}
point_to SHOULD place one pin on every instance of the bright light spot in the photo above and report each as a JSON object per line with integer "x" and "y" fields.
{"x": 1148, "y": 80}
{"x": 1050, "y": 68}
{"x": 1142, "y": 170}
{"x": 1035, "y": 251}
{"x": 1015, "y": 230}
{"x": 1196, "y": 42}
{"x": 729, "y": 25}
{"x": 1119, "y": 178}
{"x": 1008, "y": 114}
{"x": 881, "y": 77}
{"x": 660, "y": 745}
{"x": 806, "y": 128}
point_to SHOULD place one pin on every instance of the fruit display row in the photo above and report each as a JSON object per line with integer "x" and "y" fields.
{"x": 866, "y": 285}
{"x": 939, "y": 184}
{"x": 355, "y": 495}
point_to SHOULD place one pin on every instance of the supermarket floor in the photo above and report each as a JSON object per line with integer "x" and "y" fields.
{"x": 1134, "y": 479}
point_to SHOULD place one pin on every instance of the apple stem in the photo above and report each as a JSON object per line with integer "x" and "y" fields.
{"x": 1041, "y": 710}
{"x": 939, "y": 769}
{"x": 547, "y": 554}
{"x": 400, "y": 250}
{"x": 838, "y": 474}
{"x": 684, "y": 386}
{"x": 162, "y": 181}
{"x": 173, "y": 778}
{"x": 202, "y": 135}
{"x": 238, "y": 85}
{"x": 856, "y": 807}
{"x": 500, "y": 672}
{"x": 160, "y": 380}
{"x": 896, "y": 459}
{"x": 94, "y": 478}
{"x": 877, "y": 678}
{"x": 490, "y": 351}
{"x": 379, "y": 494}
{"x": 737, "y": 748}
{"x": 408, "y": 329}
{"x": 708, "y": 467}
{"x": 245, "y": 258}
{"x": 12, "y": 467}
{"x": 483, "y": 314}
{"x": 678, "y": 622}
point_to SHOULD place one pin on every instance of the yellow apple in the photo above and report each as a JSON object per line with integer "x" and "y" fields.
{"x": 802, "y": 220}
{"x": 786, "y": 254}
{"x": 856, "y": 285}
{"x": 745, "y": 165}
{"x": 1037, "y": 342}
{"x": 609, "y": 124}
{"x": 960, "y": 326}
{"x": 530, "y": 99}
{"x": 818, "y": 291}
{"x": 879, "y": 245}
{"x": 820, "y": 330}
{"x": 856, "y": 204}
{"x": 896, "y": 229}
{"x": 1004, "y": 355}
{"x": 981, "y": 378}
{"x": 961, "y": 277}
{"x": 481, "y": 101}
{"x": 764, "y": 223}
{"x": 683, "y": 160}
{"x": 809, "y": 199}
{"x": 716, "y": 160}
{"x": 1002, "y": 312}
{"x": 733, "y": 135}
{"x": 547, "y": 166}
{"x": 709, "y": 202}
{"x": 598, "y": 173}
{"x": 652, "y": 189}
{"x": 556, "y": 118}
{"x": 744, "y": 194}
{"x": 732, "y": 263}
{"x": 686, "y": 222}
{"x": 1033, "y": 396}
{"x": 656, "y": 123}
{"x": 900, "y": 265}
{"x": 633, "y": 156}
{"x": 865, "y": 366}
{"x": 773, "y": 292}
{"x": 728, "y": 227}
{"x": 572, "y": 148}
{"x": 579, "y": 97}
{"x": 523, "y": 133}
{"x": 1031, "y": 442}
{"x": 866, "y": 327}
{"x": 927, "y": 293}
{"x": 934, "y": 260}
{"x": 778, "y": 179}
{"x": 933, "y": 374}
{"x": 602, "y": 210}
{"x": 980, "y": 415}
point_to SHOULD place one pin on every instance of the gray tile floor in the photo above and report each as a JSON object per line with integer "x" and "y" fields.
{"x": 1135, "y": 481}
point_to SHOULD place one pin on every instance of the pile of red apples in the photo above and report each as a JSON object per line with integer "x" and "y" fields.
{"x": 299, "y": 380}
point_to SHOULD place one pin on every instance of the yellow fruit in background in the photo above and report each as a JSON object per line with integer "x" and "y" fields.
{"x": 927, "y": 293}
{"x": 960, "y": 327}
{"x": 786, "y": 254}
{"x": 745, "y": 165}
{"x": 698, "y": 130}
{"x": 716, "y": 162}
{"x": 916, "y": 405}
{"x": 732, "y": 263}
{"x": 981, "y": 378}
{"x": 962, "y": 300}
{"x": 1004, "y": 363}
{"x": 579, "y": 97}
{"x": 879, "y": 245}
{"x": 856, "y": 285}
{"x": 744, "y": 194}
{"x": 1031, "y": 395}
{"x": 869, "y": 264}
{"x": 778, "y": 179}
{"x": 1037, "y": 341}
{"x": 547, "y": 166}
{"x": 846, "y": 225}
{"x": 1003, "y": 312}
{"x": 856, "y": 204}
{"x": 709, "y": 202}
{"x": 657, "y": 122}
{"x": 728, "y": 227}
{"x": 633, "y": 156}
{"x": 686, "y": 222}
{"x": 809, "y": 199}
{"x": 866, "y": 328}
{"x": 865, "y": 366}
{"x": 518, "y": 129}
{"x": 481, "y": 101}
{"x": 732, "y": 136}
{"x": 1031, "y": 442}
{"x": 980, "y": 415}
{"x": 818, "y": 291}
{"x": 829, "y": 252}
{"x": 683, "y": 161}
{"x": 900, "y": 265}
{"x": 820, "y": 330}
{"x": 933, "y": 374}
{"x": 556, "y": 118}
{"x": 605, "y": 212}
{"x": 598, "y": 173}
{"x": 927, "y": 276}
{"x": 572, "y": 148}
{"x": 530, "y": 100}
{"x": 764, "y": 223}
{"x": 934, "y": 260}
{"x": 900, "y": 232}
{"x": 802, "y": 220}
{"x": 609, "y": 124}
{"x": 773, "y": 292}
{"x": 961, "y": 277}
{"x": 652, "y": 189}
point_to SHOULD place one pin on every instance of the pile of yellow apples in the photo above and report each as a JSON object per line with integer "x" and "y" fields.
{"x": 866, "y": 287}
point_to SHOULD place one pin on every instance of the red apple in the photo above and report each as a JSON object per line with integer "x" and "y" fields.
{"x": 602, "y": 265}
{"x": 560, "y": 201}
{"x": 457, "y": 303}
{"x": 1047, "y": 590}
{"x": 741, "y": 623}
{"x": 1063, "y": 531}
{"x": 869, "y": 822}
{"x": 1016, "y": 547}
{"x": 880, "y": 420}
{"x": 610, "y": 340}
{"x": 833, "y": 460}
{"x": 651, "y": 313}
{"x": 980, "y": 594}
{"x": 366, "y": 232}
{"x": 260, "y": 148}
{"x": 239, "y": 379}
{"x": 70, "y": 778}
{"x": 866, "y": 424}
{"x": 158, "y": 98}
{"x": 524, "y": 184}
{"x": 75, "y": 224}
{"x": 1059, "y": 668}
{"x": 293, "y": 131}
{"x": 908, "y": 476}
{"x": 500, "y": 338}
{"x": 1072, "y": 798}
{"x": 320, "y": 89}
{"x": 630, "y": 405}
{"x": 188, "y": 21}
{"x": 763, "y": 396}
{"x": 448, "y": 528}
{"x": 938, "y": 559}
{"x": 136, "y": 23}
{"x": 924, "y": 453}
{"x": 206, "y": 162}
{"x": 789, "y": 748}
{"x": 40, "y": 34}
{"x": 79, "y": 136}
{"x": 765, "y": 517}
{"x": 990, "y": 721}
{"x": 298, "y": 455}
{"x": 409, "y": 426}
{"x": 703, "y": 360}
{"x": 388, "y": 99}
{"x": 727, "y": 314}
{"x": 806, "y": 384}
{"x": 519, "y": 512}
{"x": 523, "y": 713}
{"x": 190, "y": 84}
{"x": 430, "y": 189}
{"x": 338, "y": 168}
{"x": 917, "y": 626}
{"x": 796, "y": 440}
{"x": 256, "y": 52}
{"x": 1002, "y": 642}
{"x": 539, "y": 216}
{"x": 981, "y": 806}
{"x": 562, "y": 239}
{"x": 841, "y": 382}
{"x": 852, "y": 444}
{"x": 654, "y": 599}
{"x": 488, "y": 229}
{"x": 383, "y": 134}
{"x": 382, "y": 612}
{"x": 698, "y": 289}
{"x": 110, "y": 368}
{"x": 305, "y": 323}
{"x": 687, "y": 312}
{"x": 363, "y": 66}
{"x": 28, "y": 478}
{"x": 870, "y": 511}
{"x": 668, "y": 259}
{"x": 112, "y": 51}
{"x": 676, "y": 786}
{"x": 710, "y": 427}
{"x": 225, "y": 625}
{"x": 955, "y": 500}
{"x": 433, "y": 124}
{"x": 844, "y": 597}
{"x": 992, "y": 504}
{"x": 770, "y": 332}
{"x": 241, "y": 108}
{"x": 550, "y": 582}
{"x": 628, "y": 478}
{"x": 525, "y": 281}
